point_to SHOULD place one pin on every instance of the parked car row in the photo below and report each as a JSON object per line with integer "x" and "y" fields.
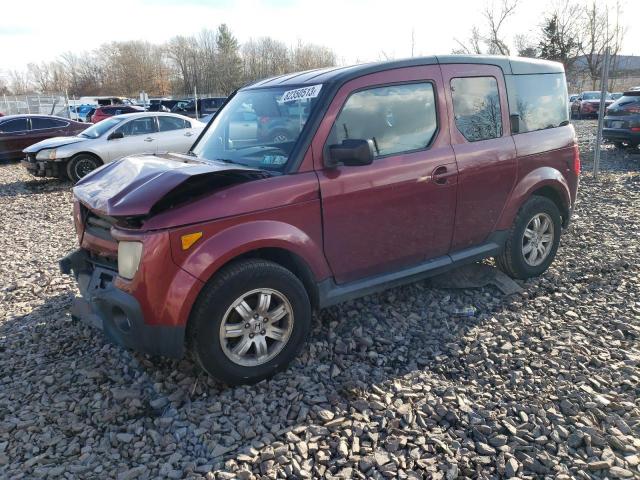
{"x": 116, "y": 137}
{"x": 587, "y": 104}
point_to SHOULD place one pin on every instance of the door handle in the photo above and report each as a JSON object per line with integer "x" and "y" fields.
{"x": 148, "y": 139}
{"x": 440, "y": 175}
{"x": 188, "y": 134}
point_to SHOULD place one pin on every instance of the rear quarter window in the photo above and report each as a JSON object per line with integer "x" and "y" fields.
{"x": 540, "y": 101}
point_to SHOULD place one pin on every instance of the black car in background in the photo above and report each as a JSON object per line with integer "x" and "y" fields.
{"x": 161, "y": 105}
{"x": 622, "y": 121}
{"x": 206, "y": 106}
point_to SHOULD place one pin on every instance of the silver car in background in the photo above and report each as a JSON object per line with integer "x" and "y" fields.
{"x": 109, "y": 140}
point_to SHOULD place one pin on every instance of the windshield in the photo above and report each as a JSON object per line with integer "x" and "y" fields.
{"x": 257, "y": 128}
{"x": 100, "y": 128}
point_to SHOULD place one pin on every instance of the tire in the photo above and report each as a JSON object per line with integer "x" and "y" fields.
{"x": 214, "y": 312}
{"x": 80, "y": 165}
{"x": 279, "y": 136}
{"x": 513, "y": 260}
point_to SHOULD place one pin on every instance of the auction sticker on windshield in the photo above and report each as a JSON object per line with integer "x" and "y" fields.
{"x": 301, "y": 93}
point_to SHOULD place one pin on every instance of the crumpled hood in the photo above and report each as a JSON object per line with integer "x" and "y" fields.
{"x": 131, "y": 186}
{"x": 54, "y": 142}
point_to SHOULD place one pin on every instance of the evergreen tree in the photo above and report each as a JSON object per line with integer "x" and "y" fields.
{"x": 555, "y": 44}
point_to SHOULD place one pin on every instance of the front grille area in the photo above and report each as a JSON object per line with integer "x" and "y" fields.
{"x": 97, "y": 225}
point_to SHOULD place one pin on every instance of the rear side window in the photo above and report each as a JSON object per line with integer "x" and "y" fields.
{"x": 397, "y": 118}
{"x": 139, "y": 126}
{"x": 172, "y": 123}
{"x": 628, "y": 99}
{"x": 17, "y": 125}
{"x": 540, "y": 101}
{"x": 44, "y": 123}
{"x": 476, "y": 107}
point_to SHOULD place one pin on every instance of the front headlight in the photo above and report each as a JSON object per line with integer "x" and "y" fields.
{"x": 129, "y": 254}
{"x": 46, "y": 154}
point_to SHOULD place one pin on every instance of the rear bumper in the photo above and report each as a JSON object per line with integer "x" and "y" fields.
{"x": 115, "y": 312}
{"x": 620, "y": 135}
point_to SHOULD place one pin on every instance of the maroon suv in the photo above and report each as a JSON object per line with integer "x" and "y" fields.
{"x": 396, "y": 171}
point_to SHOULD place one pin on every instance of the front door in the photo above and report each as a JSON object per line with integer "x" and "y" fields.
{"x": 484, "y": 149}
{"x": 140, "y": 136}
{"x": 399, "y": 210}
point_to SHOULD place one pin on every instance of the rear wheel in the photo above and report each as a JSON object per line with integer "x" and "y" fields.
{"x": 250, "y": 322}
{"x": 533, "y": 239}
{"x": 81, "y": 165}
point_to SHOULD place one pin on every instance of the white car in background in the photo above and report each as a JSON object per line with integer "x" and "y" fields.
{"x": 109, "y": 140}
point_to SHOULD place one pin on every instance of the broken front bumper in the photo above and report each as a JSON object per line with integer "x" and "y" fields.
{"x": 117, "y": 313}
{"x": 44, "y": 168}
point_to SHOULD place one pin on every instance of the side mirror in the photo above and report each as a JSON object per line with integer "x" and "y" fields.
{"x": 579, "y": 99}
{"x": 351, "y": 152}
{"x": 115, "y": 136}
{"x": 515, "y": 123}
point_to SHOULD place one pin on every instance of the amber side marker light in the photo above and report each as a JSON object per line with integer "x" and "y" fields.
{"x": 189, "y": 239}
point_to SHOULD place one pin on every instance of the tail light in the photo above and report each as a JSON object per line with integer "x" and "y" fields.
{"x": 635, "y": 108}
{"x": 635, "y": 129}
{"x": 263, "y": 120}
{"x": 576, "y": 159}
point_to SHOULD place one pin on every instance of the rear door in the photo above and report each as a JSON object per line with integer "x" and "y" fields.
{"x": 14, "y": 137}
{"x": 483, "y": 146}
{"x": 174, "y": 134}
{"x": 140, "y": 136}
{"x": 43, "y": 128}
{"x": 399, "y": 210}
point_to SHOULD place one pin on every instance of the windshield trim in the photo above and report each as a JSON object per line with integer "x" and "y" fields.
{"x": 302, "y": 145}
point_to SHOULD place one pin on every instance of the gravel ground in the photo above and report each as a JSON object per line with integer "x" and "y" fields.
{"x": 541, "y": 383}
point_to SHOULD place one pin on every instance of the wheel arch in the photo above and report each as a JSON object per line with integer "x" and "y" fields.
{"x": 276, "y": 241}
{"x": 546, "y": 182}
{"x": 87, "y": 152}
{"x": 287, "y": 259}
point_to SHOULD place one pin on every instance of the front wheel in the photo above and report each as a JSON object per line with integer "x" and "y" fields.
{"x": 249, "y": 322}
{"x": 533, "y": 239}
{"x": 81, "y": 165}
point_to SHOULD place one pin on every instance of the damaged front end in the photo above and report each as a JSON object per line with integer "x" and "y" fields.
{"x": 143, "y": 311}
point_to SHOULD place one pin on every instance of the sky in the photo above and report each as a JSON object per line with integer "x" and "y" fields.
{"x": 357, "y": 30}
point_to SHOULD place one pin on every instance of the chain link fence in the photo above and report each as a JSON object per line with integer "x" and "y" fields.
{"x": 39, "y": 104}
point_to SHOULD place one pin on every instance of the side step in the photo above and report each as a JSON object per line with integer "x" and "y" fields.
{"x": 329, "y": 293}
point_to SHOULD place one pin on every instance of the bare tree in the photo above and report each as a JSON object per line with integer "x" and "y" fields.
{"x": 19, "y": 82}
{"x": 213, "y": 61}
{"x": 525, "y": 46}
{"x": 492, "y": 40}
{"x": 495, "y": 21}
{"x": 602, "y": 30}
{"x": 473, "y": 46}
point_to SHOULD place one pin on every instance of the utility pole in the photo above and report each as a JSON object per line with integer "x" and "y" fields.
{"x": 195, "y": 99}
{"x": 604, "y": 81}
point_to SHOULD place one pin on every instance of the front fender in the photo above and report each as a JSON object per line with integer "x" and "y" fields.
{"x": 206, "y": 257}
{"x": 533, "y": 181}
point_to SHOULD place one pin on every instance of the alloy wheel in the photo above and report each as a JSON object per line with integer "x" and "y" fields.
{"x": 256, "y": 327}
{"x": 537, "y": 240}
